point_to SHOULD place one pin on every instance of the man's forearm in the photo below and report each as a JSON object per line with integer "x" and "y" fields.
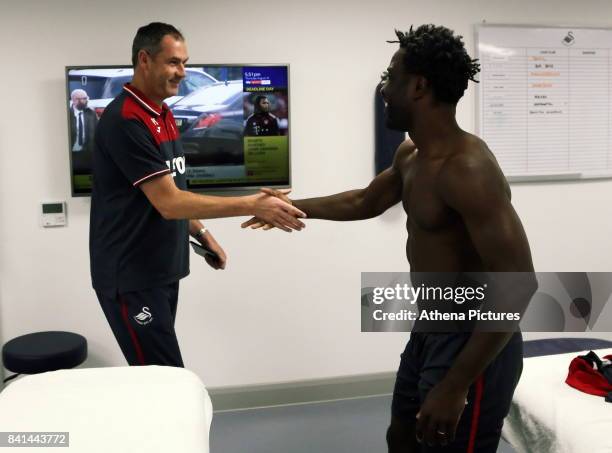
{"x": 341, "y": 206}
{"x": 511, "y": 292}
{"x": 187, "y": 205}
{"x": 194, "y": 227}
{"x": 478, "y": 352}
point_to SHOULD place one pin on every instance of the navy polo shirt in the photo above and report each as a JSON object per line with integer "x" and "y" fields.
{"x": 131, "y": 246}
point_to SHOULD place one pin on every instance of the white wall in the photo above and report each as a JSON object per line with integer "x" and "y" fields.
{"x": 287, "y": 306}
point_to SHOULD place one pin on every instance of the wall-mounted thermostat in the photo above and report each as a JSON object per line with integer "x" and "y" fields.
{"x": 53, "y": 214}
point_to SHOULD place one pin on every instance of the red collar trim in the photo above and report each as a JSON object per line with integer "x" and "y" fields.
{"x": 144, "y": 101}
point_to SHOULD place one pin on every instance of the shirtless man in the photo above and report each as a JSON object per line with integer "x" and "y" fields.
{"x": 460, "y": 219}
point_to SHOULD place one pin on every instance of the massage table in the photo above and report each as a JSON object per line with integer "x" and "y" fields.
{"x": 144, "y": 409}
{"x": 549, "y": 416}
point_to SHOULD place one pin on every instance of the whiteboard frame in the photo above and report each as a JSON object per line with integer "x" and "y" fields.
{"x": 569, "y": 176}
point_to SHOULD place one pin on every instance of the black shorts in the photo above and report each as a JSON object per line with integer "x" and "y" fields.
{"x": 143, "y": 324}
{"x": 426, "y": 360}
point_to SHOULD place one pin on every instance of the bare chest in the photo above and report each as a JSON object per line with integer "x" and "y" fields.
{"x": 425, "y": 208}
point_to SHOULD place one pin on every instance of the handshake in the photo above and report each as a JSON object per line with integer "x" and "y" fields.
{"x": 274, "y": 209}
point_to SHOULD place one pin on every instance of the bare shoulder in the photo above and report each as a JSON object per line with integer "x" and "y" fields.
{"x": 472, "y": 169}
{"x": 404, "y": 150}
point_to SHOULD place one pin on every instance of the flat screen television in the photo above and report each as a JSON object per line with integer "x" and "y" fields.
{"x": 233, "y": 122}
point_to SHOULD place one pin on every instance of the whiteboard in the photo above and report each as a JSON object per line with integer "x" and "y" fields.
{"x": 544, "y": 100}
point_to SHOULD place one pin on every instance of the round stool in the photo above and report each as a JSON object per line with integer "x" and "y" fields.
{"x": 44, "y": 351}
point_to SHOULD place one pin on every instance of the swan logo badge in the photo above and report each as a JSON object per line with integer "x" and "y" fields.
{"x": 569, "y": 39}
{"x": 144, "y": 317}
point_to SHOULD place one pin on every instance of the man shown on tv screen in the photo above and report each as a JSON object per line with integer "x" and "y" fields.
{"x": 452, "y": 390}
{"x": 261, "y": 122}
{"x": 141, "y": 214}
{"x": 83, "y": 122}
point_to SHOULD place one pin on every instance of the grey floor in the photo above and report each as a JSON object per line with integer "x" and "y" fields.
{"x": 356, "y": 425}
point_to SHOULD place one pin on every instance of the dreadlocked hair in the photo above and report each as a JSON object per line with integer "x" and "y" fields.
{"x": 439, "y": 56}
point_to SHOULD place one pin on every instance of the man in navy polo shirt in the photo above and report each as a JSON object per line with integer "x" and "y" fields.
{"x": 141, "y": 214}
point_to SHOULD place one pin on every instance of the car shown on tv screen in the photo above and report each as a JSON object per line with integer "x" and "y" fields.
{"x": 211, "y": 123}
{"x": 104, "y": 84}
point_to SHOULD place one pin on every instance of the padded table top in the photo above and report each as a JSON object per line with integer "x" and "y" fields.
{"x": 125, "y": 409}
{"x": 549, "y": 416}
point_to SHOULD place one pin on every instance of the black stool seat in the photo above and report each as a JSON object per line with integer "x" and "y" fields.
{"x": 44, "y": 351}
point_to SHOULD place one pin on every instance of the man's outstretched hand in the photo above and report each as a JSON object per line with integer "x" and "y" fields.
{"x": 268, "y": 202}
{"x": 256, "y": 222}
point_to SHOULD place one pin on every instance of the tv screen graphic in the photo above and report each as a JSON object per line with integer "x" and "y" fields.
{"x": 233, "y": 122}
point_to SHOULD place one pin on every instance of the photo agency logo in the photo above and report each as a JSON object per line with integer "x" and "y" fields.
{"x": 447, "y": 302}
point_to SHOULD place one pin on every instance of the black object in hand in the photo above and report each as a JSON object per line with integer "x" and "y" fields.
{"x": 204, "y": 251}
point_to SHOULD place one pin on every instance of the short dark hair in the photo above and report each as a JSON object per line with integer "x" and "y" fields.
{"x": 149, "y": 38}
{"x": 438, "y": 55}
{"x": 257, "y": 101}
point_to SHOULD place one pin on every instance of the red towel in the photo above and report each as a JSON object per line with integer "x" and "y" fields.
{"x": 585, "y": 375}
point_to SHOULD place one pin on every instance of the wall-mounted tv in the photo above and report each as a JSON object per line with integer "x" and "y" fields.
{"x": 233, "y": 121}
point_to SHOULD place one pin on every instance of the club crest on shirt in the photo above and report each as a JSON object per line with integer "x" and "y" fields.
{"x": 154, "y": 121}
